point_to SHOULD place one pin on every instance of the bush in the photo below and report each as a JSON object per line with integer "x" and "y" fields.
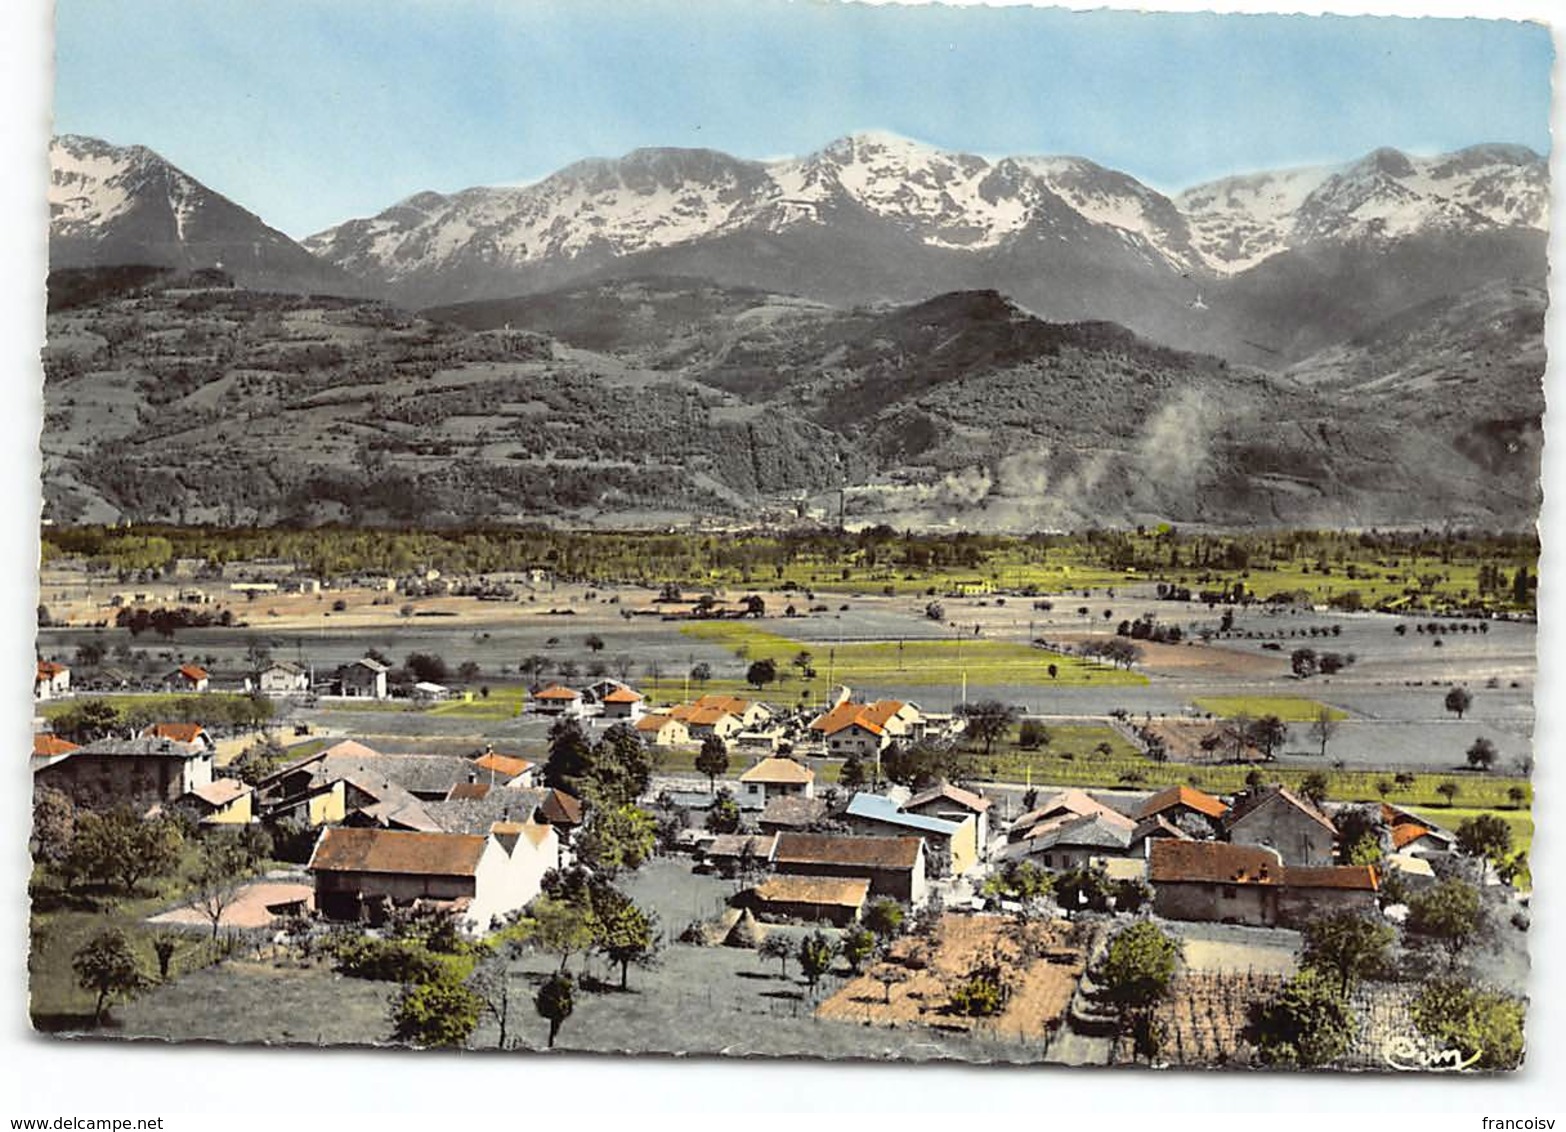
{"x": 395, "y": 961}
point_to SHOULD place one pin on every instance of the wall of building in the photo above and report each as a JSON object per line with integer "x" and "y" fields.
{"x": 1298, "y": 838}
{"x": 104, "y": 781}
{"x": 1217, "y": 903}
{"x": 1296, "y": 906}
{"x": 507, "y": 881}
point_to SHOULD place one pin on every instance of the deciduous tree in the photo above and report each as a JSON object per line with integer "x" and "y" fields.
{"x": 1350, "y": 945}
{"x": 713, "y": 759}
{"x": 106, "y": 966}
{"x": 1306, "y": 1024}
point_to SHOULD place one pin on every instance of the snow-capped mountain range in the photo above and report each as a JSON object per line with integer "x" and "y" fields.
{"x": 877, "y": 217}
{"x": 658, "y": 198}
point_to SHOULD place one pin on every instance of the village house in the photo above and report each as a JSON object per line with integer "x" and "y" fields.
{"x": 187, "y": 678}
{"x": 1186, "y": 807}
{"x": 511, "y": 772}
{"x": 1215, "y": 881}
{"x": 1321, "y": 890}
{"x": 51, "y": 681}
{"x": 838, "y": 901}
{"x": 723, "y": 716}
{"x": 952, "y": 803}
{"x": 1414, "y": 837}
{"x": 562, "y": 811}
{"x": 953, "y": 846}
{"x": 623, "y": 703}
{"x": 1050, "y": 811}
{"x": 773, "y": 778}
{"x": 428, "y": 692}
{"x": 558, "y": 700}
{"x": 223, "y": 801}
{"x": 864, "y": 729}
{"x": 362, "y": 874}
{"x": 1277, "y": 818}
{"x": 1243, "y": 884}
{"x": 894, "y": 866}
{"x": 662, "y": 730}
{"x": 137, "y": 773}
{"x": 363, "y": 679}
{"x": 48, "y": 749}
{"x": 1086, "y": 840}
{"x": 280, "y": 678}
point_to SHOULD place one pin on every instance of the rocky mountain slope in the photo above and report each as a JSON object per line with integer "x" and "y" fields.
{"x": 118, "y": 205}
{"x": 664, "y": 400}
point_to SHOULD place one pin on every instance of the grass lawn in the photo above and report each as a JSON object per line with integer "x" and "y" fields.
{"x": 1519, "y": 821}
{"x": 147, "y": 701}
{"x": 59, "y": 932}
{"x": 913, "y": 663}
{"x": 1290, "y": 709}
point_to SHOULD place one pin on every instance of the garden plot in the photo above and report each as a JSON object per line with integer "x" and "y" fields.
{"x": 1042, "y": 961}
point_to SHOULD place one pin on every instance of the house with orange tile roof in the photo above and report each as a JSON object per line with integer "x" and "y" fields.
{"x": 623, "y": 702}
{"x": 1174, "y": 803}
{"x": 51, "y": 681}
{"x": 558, "y": 700}
{"x": 720, "y": 715}
{"x": 662, "y": 730}
{"x": 864, "y": 729}
{"x": 364, "y": 874}
{"x": 49, "y": 748}
{"x": 511, "y": 772}
{"x": 187, "y": 678}
{"x": 1414, "y": 836}
{"x": 1275, "y": 816}
{"x": 775, "y": 778}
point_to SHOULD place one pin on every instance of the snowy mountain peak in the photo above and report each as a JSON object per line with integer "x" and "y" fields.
{"x": 593, "y": 211}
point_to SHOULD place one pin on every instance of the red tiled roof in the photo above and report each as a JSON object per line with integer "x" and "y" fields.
{"x": 864, "y": 852}
{"x": 467, "y": 791}
{"x": 1212, "y": 862}
{"x": 1405, "y": 832}
{"x": 872, "y": 717}
{"x": 1358, "y": 878}
{"x": 506, "y": 766}
{"x": 656, "y": 722}
{"x": 192, "y": 672}
{"x": 623, "y": 696}
{"x": 1182, "y": 795}
{"x": 347, "y": 850}
{"x": 560, "y": 808}
{"x": 48, "y": 669}
{"x": 557, "y": 692}
{"x": 179, "y": 732}
{"x": 47, "y": 746}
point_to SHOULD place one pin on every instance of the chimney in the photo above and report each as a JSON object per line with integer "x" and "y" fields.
{"x": 472, "y": 776}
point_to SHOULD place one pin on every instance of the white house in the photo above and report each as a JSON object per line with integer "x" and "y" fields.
{"x": 775, "y": 778}
{"x": 362, "y": 874}
{"x": 52, "y": 681}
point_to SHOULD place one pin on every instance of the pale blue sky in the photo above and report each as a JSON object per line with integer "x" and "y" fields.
{"x": 312, "y": 112}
